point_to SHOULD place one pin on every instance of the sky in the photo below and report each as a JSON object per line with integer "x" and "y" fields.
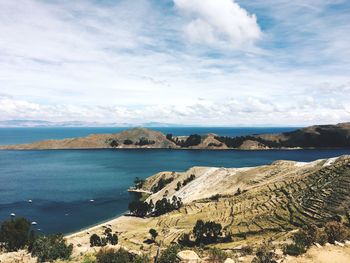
{"x": 200, "y": 62}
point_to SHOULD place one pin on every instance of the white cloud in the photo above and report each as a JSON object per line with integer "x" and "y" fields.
{"x": 222, "y": 23}
{"x": 126, "y": 61}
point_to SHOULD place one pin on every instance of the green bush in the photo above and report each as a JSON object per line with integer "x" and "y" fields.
{"x": 169, "y": 254}
{"x": 142, "y": 259}
{"x": 216, "y": 255}
{"x": 114, "y": 256}
{"x": 50, "y": 248}
{"x": 89, "y": 259}
{"x": 14, "y": 234}
{"x": 294, "y": 249}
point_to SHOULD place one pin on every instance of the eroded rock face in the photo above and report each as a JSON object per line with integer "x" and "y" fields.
{"x": 188, "y": 256}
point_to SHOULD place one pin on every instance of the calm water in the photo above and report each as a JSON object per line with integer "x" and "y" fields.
{"x": 62, "y": 182}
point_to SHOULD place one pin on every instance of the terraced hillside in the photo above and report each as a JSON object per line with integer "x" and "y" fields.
{"x": 271, "y": 201}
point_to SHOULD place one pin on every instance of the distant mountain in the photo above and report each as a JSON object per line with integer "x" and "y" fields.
{"x": 41, "y": 123}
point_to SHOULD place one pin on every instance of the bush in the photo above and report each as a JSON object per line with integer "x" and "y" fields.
{"x": 113, "y": 143}
{"x": 89, "y": 258}
{"x": 142, "y": 259}
{"x": 206, "y": 232}
{"x": 247, "y": 250}
{"x": 14, "y": 234}
{"x": 161, "y": 184}
{"x": 336, "y": 231}
{"x": 294, "y": 249}
{"x": 50, "y": 248}
{"x": 265, "y": 255}
{"x": 97, "y": 241}
{"x": 128, "y": 142}
{"x": 169, "y": 254}
{"x": 114, "y": 256}
{"x": 217, "y": 255}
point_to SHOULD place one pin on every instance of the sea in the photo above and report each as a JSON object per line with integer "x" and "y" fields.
{"x": 55, "y": 188}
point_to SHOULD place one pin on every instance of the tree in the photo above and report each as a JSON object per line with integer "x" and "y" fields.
{"x": 178, "y": 186}
{"x": 50, "y": 248}
{"x": 138, "y": 182}
{"x": 169, "y": 136}
{"x": 14, "y": 234}
{"x": 128, "y": 142}
{"x": 139, "y": 208}
{"x": 114, "y": 143}
{"x": 95, "y": 241}
{"x": 153, "y": 234}
{"x": 198, "y": 231}
{"x": 169, "y": 255}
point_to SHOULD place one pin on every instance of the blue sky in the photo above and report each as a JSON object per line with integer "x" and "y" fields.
{"x": 208, "y": 62}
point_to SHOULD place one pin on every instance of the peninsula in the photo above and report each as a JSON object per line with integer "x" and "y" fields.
{"x": 318, "y": 136}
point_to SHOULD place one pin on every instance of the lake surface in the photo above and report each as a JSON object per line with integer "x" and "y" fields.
{"x": 61, "y": 183}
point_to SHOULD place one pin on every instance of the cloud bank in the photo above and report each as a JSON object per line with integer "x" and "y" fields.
{"x": 193, "y": 62}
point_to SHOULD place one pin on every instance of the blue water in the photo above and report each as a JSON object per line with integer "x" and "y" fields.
{"x": 27, "y": 135}
{"x": 61, "y": 182}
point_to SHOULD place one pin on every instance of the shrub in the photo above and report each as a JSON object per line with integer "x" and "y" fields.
{"x": 189, "y": 179}
{"x": 247, "y": 250}
{"x": 265, "y": 254}
{"x": 206, "y": 232}
{"x": 294, "y": 249}
{"x": 161, "y": 184}
{"x": 113, "y": 143}
{"x": 128, "y": 142}
{"x": 169, "y": 254}
{"x": 114, "y": 256}
{"x": 89, "y": 258}
{"x": 142, "y": 259}
{"x": 336, "y": 231}
{"x": 95, "y": 241}
{"x": 138, "y": 182}
{"x": 50, "y": 248}
{"x": 144, "y": 141}
{"x": 217, "y": 255}
{"x": 14, "y": 234}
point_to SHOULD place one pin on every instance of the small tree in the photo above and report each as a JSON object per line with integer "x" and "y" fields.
{"x": 169, "y": 255}
{"x": 95, "y": 241}
{"x": 153, "y": 234}
{"x": 128, "y": 142}
{"x": 50, "y": 248}
{"x": 14, "y": 234}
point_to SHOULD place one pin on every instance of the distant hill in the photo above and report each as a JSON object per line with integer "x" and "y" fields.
{"x": 319, "y": 136}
